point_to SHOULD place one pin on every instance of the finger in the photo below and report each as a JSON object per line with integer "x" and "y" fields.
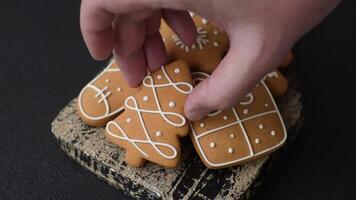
{"x": 153, "y": 23}
{"x": 155, "y": 51}
{"x": 128, "y": 49}
{"x": 96, "y": 27}
{"x": 235, "y": 76}
{"x": 182, "y": 24}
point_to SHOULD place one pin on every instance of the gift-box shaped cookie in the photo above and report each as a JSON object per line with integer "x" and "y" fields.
{"x": 248, "y": 131}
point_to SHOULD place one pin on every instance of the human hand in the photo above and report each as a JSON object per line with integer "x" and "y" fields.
{"x": 261, "y": 34}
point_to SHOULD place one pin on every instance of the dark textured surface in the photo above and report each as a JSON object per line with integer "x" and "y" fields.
{"x": 44, "y": 64}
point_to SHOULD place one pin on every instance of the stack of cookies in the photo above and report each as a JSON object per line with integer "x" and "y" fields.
{"x": 149, "y": 121}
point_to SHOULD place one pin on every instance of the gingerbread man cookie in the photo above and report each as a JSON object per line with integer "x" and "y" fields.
{"x": 277, "y": 83}
{"x": 102, "y": 99}
{"x": 206, "y": 53}
{"x": 250, "y": 130}
{"x": 153, "y": 120}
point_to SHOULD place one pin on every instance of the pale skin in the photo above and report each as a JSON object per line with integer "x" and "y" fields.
{"x": 261, "y": 34}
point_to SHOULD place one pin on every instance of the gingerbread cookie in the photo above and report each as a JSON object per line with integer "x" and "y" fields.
{"x": 205, "y": 55}
{"x": 250, "y": 130}
{"x": 276, "y": 82}
{"x": 102, "y": 99}
{"x": 153, "y": 120}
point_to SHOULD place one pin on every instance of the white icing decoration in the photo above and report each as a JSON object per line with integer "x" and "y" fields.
{"x": 128, "y": 120}
{"x": 273, "y": 133}
{"x": 257, "y": 140}
{"x": 214, "y": 113}
{"x": 153, "y": 86}
{"x": 230, "y": 150}
{"x": 202, "y": 40}
{"x": 164, "y": 39}
{"x": 159, "y": 111}
{"x": 99, "y": 92}
{"x": 191, "y": 14}
{"x": 107, "y": 80}
{"x": 145, "y": 98}
{"x": 260, "y": 126}
{"x": 225, "y": 117}
{"x": 148, "y": 141}
{"x": 266, "y": 105}
{"x": 104, "y": 95}
{"x": 196, "y": 80}
{"x": 245, "y": 111}
{"x": 273, "y": 74}
{"x": 177, "y": 70}
{"x": 119, "y": 89}
{"x": 249, "y": 101}
{"x": 216, "y": 32}
{"x": 232, "y": 135}
{"x": 202, "y": 125}
{"x": 172, "y": 104}
{"x": 212, "y": 145}
{"x": 158, "y": 133}
{"x": 216, "y": 44}
{"x": 239, "y": 121}
{"x": 159, "y": 77}
{"x": 204, "y": 21}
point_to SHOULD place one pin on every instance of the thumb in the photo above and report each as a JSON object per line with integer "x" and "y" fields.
{"x": 236, "y": 75}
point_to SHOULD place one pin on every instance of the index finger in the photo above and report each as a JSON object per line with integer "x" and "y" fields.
{"x": 97, "y": 30}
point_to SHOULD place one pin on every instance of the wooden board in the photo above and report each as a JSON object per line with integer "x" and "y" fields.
{"x": 191, "y": 179}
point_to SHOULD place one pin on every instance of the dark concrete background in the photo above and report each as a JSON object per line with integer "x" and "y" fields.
{"x": 44, "y": 64}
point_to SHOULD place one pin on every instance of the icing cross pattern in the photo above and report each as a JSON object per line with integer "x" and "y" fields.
{"x": 159, "y": 111}
{"x": 237, "y": 121}
{"x": 99, "y": 92}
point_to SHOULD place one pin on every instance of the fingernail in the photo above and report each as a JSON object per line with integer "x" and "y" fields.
{"x": 196, "y": 114}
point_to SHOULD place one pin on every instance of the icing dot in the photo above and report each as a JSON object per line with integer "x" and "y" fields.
{"x": 232, "y": 135}
{"x": 266, "y": 104}
{"x": 107, "y": 80}
{"x": 212, "y": 145}
{"x": 216, "y": 44}
{"x": 273, "y": 133}
{"x": 216, "y": 32}
{"x": 202, "y": 124}
{"x": 225, "y": 117}
{"x": 193, "y": 46}
{"x": 158, "y": 133}
{"x": 177, "y": 70}
{"x": 119, "y": 89}
{"x": 159, "y": 77}
{"x": 128, "y": 120}
{"x": 145, "y": 98}
{"x": 260, "y": 126}
{"x": 204, "y": 21}
{"x": 257, "y": 140}
{"x": 245, "y": 111}
{"x": 230, "y": 150}
{"x": 171, "y": 104}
